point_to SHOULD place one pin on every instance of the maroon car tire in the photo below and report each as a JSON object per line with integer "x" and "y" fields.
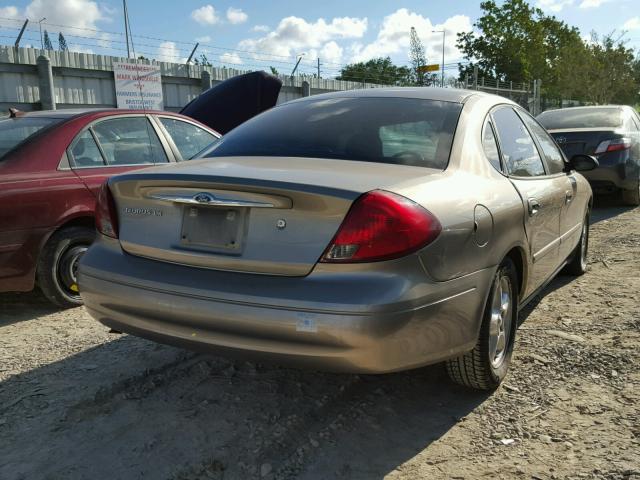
{"x": 484, "y": 367}
{"x": 58, "y": 263}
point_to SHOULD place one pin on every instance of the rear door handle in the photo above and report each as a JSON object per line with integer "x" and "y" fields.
{"x": 534, "y": 206}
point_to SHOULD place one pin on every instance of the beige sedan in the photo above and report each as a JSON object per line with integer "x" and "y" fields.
{"x": 365, "y": 231}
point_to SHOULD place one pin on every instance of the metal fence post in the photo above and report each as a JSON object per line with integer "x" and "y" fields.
{"x": 45, "y": 83}
{"x": 205, "y": 79}
{"x": 306, "y": 89}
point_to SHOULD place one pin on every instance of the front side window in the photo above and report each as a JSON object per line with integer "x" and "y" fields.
{"x": 519, "y": 153}
{"x": 188, "y": 138}
{"x": 85, "y": 153}
{"x": 555, "y": 160}
{"x": 490, "y": 146}
{"x": 129, "y": 141}
{"x": 402, "y": 131}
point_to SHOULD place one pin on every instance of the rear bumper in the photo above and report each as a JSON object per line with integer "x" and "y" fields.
{"x": 609, "y": 178}
{"x": 358, "y": 322}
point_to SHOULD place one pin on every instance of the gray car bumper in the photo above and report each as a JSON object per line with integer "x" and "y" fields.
{"x": 359, "y": 322}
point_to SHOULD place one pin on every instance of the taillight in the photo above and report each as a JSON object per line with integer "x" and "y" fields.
{"x": 614, "y": 145}
{"x": 106, "y": 216}
{"x": 382, "y": 226}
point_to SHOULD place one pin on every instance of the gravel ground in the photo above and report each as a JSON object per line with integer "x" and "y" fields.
{"x": 77, "y": 402}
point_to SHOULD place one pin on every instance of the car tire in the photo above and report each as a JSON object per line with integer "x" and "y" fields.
{"x": 578, "y": 264}
{"x": 58, "y": 263}
{"x": 631, "y": 197}
{"x": 484, "y": 367}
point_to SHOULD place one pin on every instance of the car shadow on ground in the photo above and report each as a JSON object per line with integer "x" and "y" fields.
{"x": 19, "y": 307}
{"x": 189, "y": 415}
{"x": 606, "y": 207}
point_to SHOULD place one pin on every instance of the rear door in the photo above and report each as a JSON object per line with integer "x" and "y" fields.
{"x": 542, "y": 194}
{"x": 572, "y": 214}
{"x": 114, "y": 145}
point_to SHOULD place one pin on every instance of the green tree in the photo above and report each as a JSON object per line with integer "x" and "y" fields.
{"x": 274, "y": 71}
{"x": 417, "y": 57}
{"x": 204, "y": 61}
{"x": 47, "y": 41}
{"x": 62, "y": 43}
{"x": 377, "y": 70}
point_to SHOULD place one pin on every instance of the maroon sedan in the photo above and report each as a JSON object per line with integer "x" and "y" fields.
{"x": 52, "y": 164}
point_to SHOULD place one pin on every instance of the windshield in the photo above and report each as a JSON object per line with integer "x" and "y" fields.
{"x": 403, "y": 131}
{"x": 16, "y": 130}
{"x": 566, "y": 118}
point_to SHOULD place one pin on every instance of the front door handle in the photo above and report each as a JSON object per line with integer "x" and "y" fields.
{"x": 568, "y": 197}
{"x": 534, "y": 206}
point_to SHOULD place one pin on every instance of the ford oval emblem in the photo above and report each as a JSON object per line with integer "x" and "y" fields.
{"x": 561, "y": 139}
{"x": 204, "y": 197}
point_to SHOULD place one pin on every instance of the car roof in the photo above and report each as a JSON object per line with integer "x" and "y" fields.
{"x": 588, "y": 107}
{"x": 454, "y": 95}
{"x": 68, "y": 113}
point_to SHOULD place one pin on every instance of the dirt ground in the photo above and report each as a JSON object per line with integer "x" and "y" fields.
{"x": 79, "y": 403}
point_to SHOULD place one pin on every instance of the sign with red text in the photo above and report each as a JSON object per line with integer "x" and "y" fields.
{"x": 138, "y": 86}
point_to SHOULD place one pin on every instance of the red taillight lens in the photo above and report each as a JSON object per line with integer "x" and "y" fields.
{"x": 614, "y": 145}
{"x": 106, "y": 216}
{"x": 382, "y": 226}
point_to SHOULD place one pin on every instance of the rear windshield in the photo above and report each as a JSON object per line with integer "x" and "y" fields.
{"x": 581, "y": 118}
{"x": 16, "y": 130}
{"x": 388, "y": 130}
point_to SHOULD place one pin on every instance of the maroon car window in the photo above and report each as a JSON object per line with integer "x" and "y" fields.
{"x": 85, "y": 153}
{"x": 16, "y": 130}
{"x": 555, "y": 160}
{"x": 129, "y": 141}
{"x": 519, "y": 153}
{"x": 189, "y": 139}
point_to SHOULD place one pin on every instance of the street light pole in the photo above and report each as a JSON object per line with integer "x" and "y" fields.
{"x": 443, "y": 39}
{"x": 41, "y": 40}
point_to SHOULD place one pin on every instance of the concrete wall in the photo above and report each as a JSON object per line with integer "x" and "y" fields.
{"x": 86, "y": 80}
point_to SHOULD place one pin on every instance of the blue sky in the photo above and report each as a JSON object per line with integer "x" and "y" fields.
{"x": 251, "y": 34}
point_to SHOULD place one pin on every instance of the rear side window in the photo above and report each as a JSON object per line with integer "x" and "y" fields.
{"x": 555, "y": 160}
{"x": 595, "y": 117}
{"x": 188, "y": 138}
{"x": 402, "y": 131}
{"x": 85, "y": 152}
{"x": 520, "y": 154}
{"x": 129, "y": 141}
{"x": 16, "y": 130}
{"x": 490, "y": 146}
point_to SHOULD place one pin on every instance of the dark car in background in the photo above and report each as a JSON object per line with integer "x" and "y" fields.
{"x": 52, "y": 164}
{"x": 610, "y": 133}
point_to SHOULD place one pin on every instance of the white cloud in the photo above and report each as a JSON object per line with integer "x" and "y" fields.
{"x": 232, "y": 58}
{"x": 260, "y": 28}
{"x": 295, "y": 35}
{"x": 393, "y": 37}
{"x": 205, "y": 39}
{"x": 205, "y": 15}
{"x": 632, "y": 24}
{"x": 236, "y": 15}
{"x": 82, "y": 14}
{"x": 331, "y": 52}
{"x": 168, "y": 52}
{"x": 557, "y": 5}
{"x": 9, "y": 12}
{"x": 592, "y": 3}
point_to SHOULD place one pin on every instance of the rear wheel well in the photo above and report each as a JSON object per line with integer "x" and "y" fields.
{"x": 517, "y": 257}
{"x": 84, "y": 221}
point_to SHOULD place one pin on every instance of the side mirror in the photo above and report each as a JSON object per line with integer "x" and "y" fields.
{"x": 582, "y": 163}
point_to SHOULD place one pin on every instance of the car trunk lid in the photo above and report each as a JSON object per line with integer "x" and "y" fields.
{"x": 267, "y": 215}
{"x": 583, "y": 140}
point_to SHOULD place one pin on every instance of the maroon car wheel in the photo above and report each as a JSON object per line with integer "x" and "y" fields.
{"x": 58, "y": 265}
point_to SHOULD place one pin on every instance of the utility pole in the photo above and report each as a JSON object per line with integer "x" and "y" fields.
{"x": 41, "y": 40}
{"x": 192, "y": 52}
{"x": 17, "y": 44}
{"x": 126, "y": 26}
{"x": 443, "y": 39}
{"x": 297, "y": 63}
{"x": 318, "y": 68}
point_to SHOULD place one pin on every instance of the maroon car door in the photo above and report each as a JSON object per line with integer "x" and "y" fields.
{"x": 114, "y": 145}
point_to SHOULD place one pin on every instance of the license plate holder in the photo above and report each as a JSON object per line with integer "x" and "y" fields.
{"x": 213, "y": 228}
